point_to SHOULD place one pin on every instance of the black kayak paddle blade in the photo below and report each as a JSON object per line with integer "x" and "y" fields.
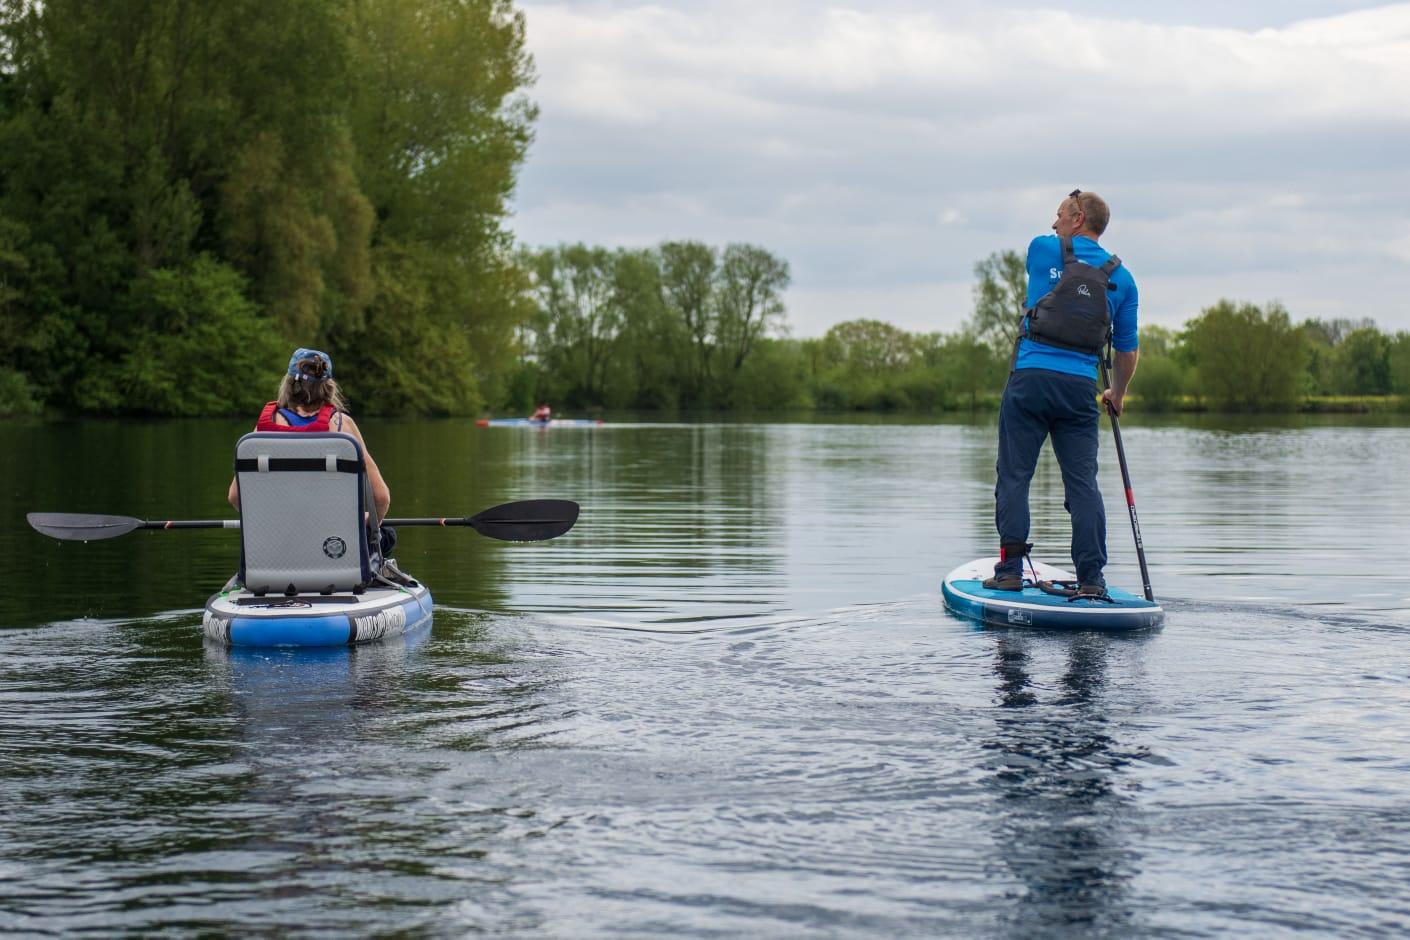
{"x": 529, "y": 520}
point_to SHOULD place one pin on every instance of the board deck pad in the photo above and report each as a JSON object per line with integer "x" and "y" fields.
{"x": 966, "y": 596}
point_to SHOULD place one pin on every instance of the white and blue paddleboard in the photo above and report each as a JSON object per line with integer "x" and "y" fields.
{"x": 236, "y": 617}
{"x": 966, "y": 595}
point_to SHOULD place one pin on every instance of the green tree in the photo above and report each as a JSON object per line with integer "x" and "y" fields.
{"x": 1158, "y": 341}
{"x": 653, "y": 345}
{"x": 864, "y": 361}
{"x": 1326, "y": 364}
{"x": 1000, "y": 297}
{"x": 687, "y": 286}
{"x": 1321, "y": 365}
{"x": 580, "y": 317}
{"x": 1363, "y": 359}
{"x": 440, "y": 128}
{"x": 1332, "y": 332}
{"x": 1161, "y": 382}
{"x": 184, "y": 360}
{"x": 1399, "y": 359}
{"x": 1164, "y": 371}
{"x": 870, "y": 347}
{"x": 16, "y": 394}
{"x": 748, "y": 302}
{"x": 409, "y": 358}
{"x": 1247, "y": 357}
{"x": 971, "y": 367}
{"x": 773, "y": 377}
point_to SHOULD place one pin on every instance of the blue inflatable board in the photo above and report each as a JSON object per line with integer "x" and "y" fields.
{"x": 236, "y": 617}
{"x": 966, "y": 596}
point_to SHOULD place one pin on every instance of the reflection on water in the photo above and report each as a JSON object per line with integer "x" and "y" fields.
{"x": 729, "y": 702}
{"x": 1061, "y": 818}
{"x": 681, "y": 524}
{"x": 313, "y": 696}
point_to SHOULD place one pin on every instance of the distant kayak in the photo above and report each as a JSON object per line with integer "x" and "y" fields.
{"x": 526, "y": 423}
{"x": 966, "y": 595}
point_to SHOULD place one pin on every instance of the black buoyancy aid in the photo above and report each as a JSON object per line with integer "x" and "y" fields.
{"x": 1074, "y": 314}
{"x": 319, "y": 422}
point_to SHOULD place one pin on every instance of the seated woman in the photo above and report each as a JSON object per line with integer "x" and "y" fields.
{"x": 542, "y": 414}
{"x": 309, "y": 400}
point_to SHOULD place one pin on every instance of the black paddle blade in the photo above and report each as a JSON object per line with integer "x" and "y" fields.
{"x": 531, "y": 520}
{"x": 81, "y": 527}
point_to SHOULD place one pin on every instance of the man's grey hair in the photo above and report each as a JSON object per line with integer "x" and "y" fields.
{"x": 1095, "y": 208}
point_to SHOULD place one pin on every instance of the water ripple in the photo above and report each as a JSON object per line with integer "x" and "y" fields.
{"x": 730, "y": 703}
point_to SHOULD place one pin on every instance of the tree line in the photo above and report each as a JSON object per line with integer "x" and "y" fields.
{"x": 685, "y": 326}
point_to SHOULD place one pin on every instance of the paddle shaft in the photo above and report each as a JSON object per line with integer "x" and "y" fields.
{"x": 189, "y": 524}
{"x": 468, "y": 520}
{"x": 1126, "y": 482}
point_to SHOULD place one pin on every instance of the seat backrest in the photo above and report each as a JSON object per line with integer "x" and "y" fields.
{"x": 301, "y": 512}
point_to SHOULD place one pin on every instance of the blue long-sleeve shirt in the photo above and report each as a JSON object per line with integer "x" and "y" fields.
{"x": 1044, "y": 271}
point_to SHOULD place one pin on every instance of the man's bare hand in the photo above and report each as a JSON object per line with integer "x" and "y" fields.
{"x": 1113, "y": 402}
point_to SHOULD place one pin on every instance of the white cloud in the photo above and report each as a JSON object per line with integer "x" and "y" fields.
{"x": 885, "y": 150}
{"x": 1399, "y": 249}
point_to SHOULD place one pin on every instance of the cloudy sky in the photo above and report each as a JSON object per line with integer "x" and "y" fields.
{"x": 1254, "y": 150}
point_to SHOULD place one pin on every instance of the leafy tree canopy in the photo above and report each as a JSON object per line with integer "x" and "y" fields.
{"x": 346, "y": 163}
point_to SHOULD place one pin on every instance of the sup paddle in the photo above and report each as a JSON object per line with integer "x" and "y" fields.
{"x": 1126, "y": 481}
{"x": 530, "y": 520}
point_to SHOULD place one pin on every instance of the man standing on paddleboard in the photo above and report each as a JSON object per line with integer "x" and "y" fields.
{"x": 1080, "y": 297}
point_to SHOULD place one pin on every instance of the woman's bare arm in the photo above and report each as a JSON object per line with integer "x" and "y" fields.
{"x": 381, "y": 495}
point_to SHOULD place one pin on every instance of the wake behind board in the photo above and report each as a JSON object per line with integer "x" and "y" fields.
{"x": 966, "y": 595}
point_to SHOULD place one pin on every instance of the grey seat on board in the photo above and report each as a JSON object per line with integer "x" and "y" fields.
{"x": 302, "y": 502}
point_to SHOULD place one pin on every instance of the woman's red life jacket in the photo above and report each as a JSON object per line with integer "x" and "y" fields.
{"x": 319, "y": 422}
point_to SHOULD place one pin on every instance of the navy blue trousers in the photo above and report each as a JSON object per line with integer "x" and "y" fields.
{"x": 1039, "y": 404}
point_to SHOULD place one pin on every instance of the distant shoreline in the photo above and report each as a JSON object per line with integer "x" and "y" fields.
{"x": 983, "y": 404}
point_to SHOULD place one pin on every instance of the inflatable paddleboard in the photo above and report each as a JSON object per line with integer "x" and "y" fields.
{"x": 236, "y": 617}
{"x": 966, "y": 595}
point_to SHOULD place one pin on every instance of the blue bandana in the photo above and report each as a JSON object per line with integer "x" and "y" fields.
{"x": 303, "y": 355}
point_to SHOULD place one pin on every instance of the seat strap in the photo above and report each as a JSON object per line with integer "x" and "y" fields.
{"x": 266, "y": 464}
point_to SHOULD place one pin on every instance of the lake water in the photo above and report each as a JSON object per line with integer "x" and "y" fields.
{"x": 729, "y": 703}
